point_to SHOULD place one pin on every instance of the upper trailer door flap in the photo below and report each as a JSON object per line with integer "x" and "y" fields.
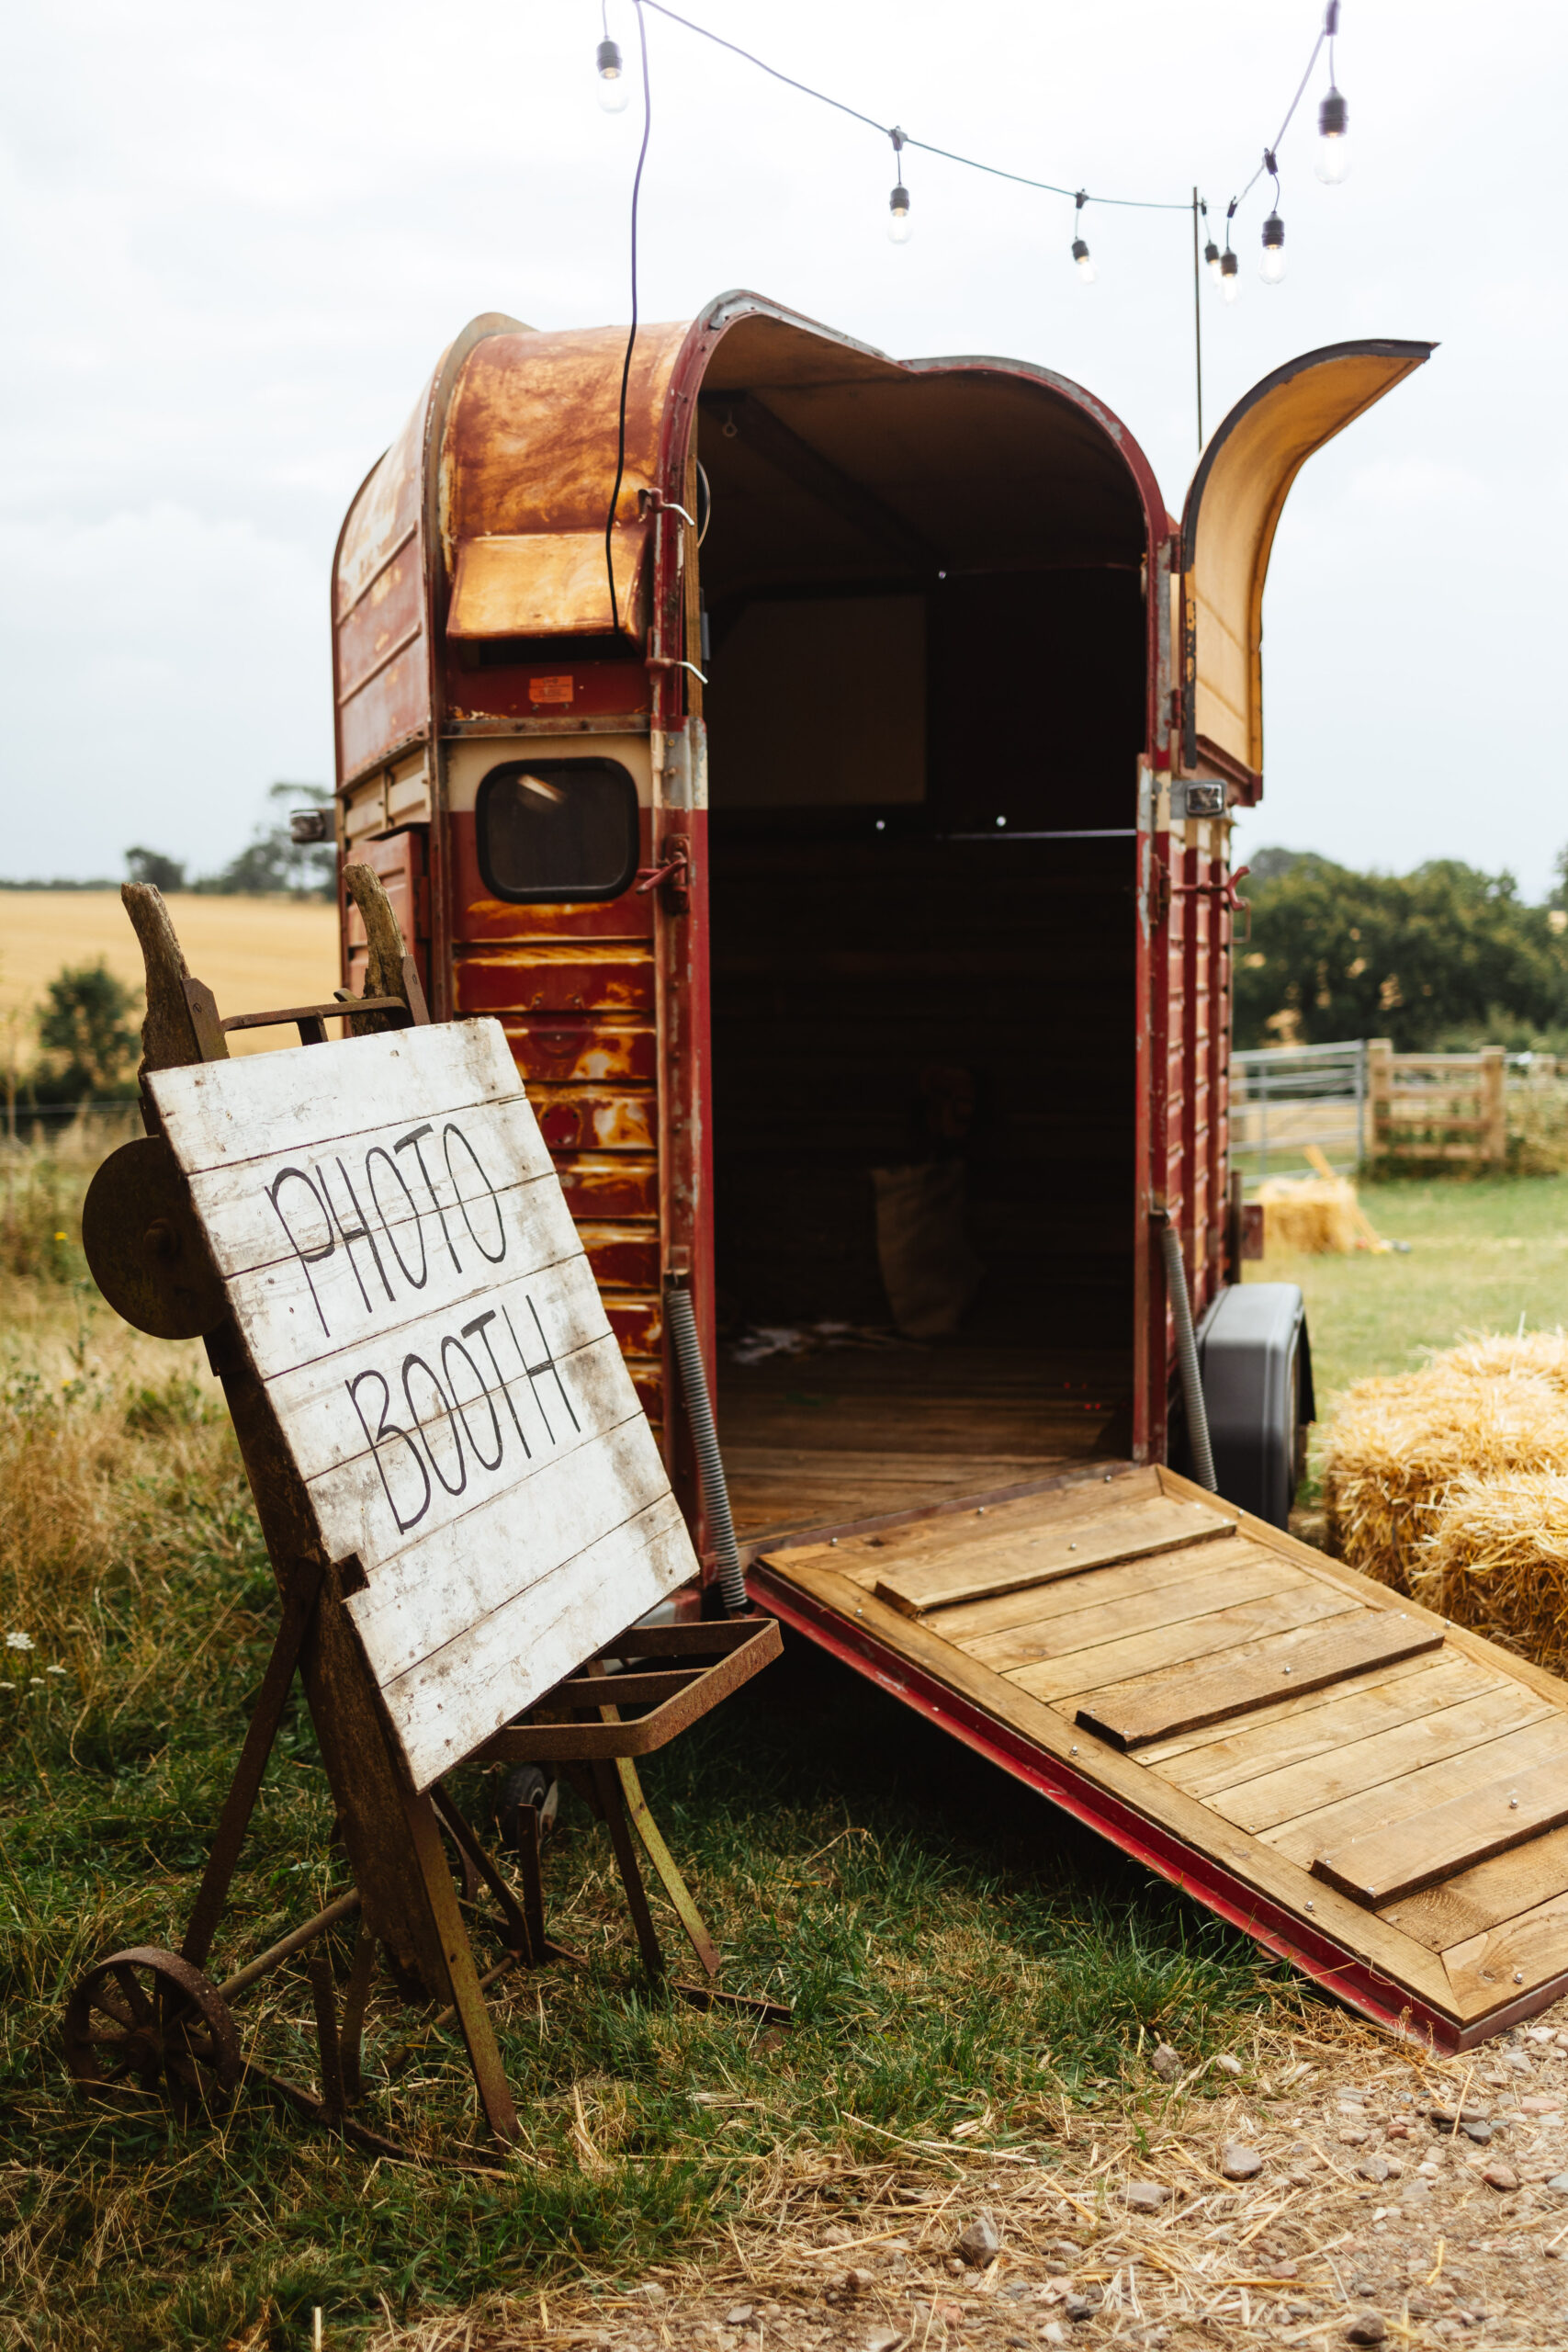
{"x": 1227, "y": 532}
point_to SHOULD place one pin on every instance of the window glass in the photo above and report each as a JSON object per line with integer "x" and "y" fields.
{"x": 557, "y": 828}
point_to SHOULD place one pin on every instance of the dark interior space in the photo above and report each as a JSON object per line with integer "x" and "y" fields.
{"x": 922, "y": 779}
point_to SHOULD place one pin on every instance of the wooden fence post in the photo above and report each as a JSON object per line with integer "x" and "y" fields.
{"x": 1380, "y": 1092}
{"x": 1494, "y": 1105}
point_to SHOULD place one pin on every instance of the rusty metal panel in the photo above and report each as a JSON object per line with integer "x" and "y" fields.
{"x": 390, "y": 616}
{"x": 560, "y": 1051}
{"x": 623, "y": 1257}
{"x": 595, "y": 1118}
{"x": 610, "y": 1184}
{"x": 529, "y": 444}
{"x": 558, "y": 977}
{"x": 637, "y": 1324}
{"x": 477, "y": 918}
{"x": 551, "y": 583}
{"x": 389, "y": 709}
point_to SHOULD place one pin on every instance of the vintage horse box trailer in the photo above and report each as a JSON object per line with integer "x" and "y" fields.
{"x": 840, "y": 832}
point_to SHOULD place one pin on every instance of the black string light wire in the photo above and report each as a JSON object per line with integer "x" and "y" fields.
{"x": 631, "y": 338}
{"x": 1332, "y": 166}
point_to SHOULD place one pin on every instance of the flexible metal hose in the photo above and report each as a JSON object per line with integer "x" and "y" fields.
{"x": 1187, "y": 1355}
{"x": 705, "y": 1443}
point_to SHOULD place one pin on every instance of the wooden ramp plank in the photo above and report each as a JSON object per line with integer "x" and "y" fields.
{"x": 1484, "y": 1897}
{"x": 1162, "y": 1523}
{"x": 1124, "y": 1779}
{"x": 1179, "y": 1645}
{"x": 1055, "y": 1493}
{"x": 773, "y": 1490}
{"x": 1380, "y": 1755}
{"x": 1380, "y": 1868}
{"x": 1508, "y": 1959}
{"x": 1331, "y": 1827}
{"x": 1373, "y": 1637}
{"x": 972, "y": 1620}
{"x": 1207, "y": 1762}
{"x": 1095, "y": 1623}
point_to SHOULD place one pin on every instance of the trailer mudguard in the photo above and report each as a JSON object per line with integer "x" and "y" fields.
{"x": 1255, "y": 1362}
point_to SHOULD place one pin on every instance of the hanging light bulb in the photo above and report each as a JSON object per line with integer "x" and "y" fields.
{"x": 613, "y": 88}
{"x": 898, "y": 202}
{"x": 1271, "y": 268}
{"x": 1081, "y": 253}
{"x": 1332, "y": 161}
{"x": 1212, "y": 259}
{"x": 1230, "y": 275}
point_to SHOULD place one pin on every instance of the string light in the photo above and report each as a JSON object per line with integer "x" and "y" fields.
{"x": 898, "y": 202}
{"x": 1272, "y": 268}
{"x": 1211, "y": 250}
{"x": 613, "y": 88}
{"x": 1332, "y": 164}
{"x": 1081, "y": 253}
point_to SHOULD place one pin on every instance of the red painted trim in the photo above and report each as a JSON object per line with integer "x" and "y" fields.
{"x": 1278, "y": 1931}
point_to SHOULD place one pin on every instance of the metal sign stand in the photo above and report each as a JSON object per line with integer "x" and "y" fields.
{"x": 154, "y": 2017}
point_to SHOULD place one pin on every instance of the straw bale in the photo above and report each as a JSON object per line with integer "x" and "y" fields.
{"x": 1542, "y": 1353}
{"x": 1496, "y": 1558}
{"x": 1313, "y": 1215}
{"x": 1396, "y": 1446}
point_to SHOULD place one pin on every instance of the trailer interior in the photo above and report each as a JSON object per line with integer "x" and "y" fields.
{"x": 925, "y": 645}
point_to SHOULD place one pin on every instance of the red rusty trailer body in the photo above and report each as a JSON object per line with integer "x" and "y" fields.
{"x": 966, "y": 673}
{"x": 863, "y": 855}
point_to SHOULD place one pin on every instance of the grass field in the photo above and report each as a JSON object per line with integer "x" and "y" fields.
{"x": 1483, "y": 1253}
{"x": 254, "y": 954}
{"x": 953, "y": 1948}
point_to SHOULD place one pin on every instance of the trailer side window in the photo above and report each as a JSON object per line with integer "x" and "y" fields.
{"x": 557, "y": 828}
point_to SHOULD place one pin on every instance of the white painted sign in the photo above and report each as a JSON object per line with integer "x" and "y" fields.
{"x": 411, "y": 1289}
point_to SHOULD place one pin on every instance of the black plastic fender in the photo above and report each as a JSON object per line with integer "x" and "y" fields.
{"x": 1255, "y": 1359}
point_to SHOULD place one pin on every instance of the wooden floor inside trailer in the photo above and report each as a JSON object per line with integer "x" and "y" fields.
{"x": 845, "y": 1432}
{"x": 1379, "y": 1794}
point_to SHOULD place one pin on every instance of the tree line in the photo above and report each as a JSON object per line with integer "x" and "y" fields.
{"x": 1443, "y": 958}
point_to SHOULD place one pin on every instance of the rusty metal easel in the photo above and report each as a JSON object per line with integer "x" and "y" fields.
{"x": 153, "y": 2016}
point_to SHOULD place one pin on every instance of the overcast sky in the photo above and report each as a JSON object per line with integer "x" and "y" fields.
{"x": 236, "y": 237}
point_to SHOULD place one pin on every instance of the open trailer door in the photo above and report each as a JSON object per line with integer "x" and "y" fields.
{"x": 1227, "y": 534}
{"x": 1376, "y": 1795}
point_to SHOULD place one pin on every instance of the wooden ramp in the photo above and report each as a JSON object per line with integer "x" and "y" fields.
{"x": 1375, "y": 1795}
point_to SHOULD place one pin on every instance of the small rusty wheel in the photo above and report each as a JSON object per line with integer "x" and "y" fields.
{"x": 145, "y": 2015}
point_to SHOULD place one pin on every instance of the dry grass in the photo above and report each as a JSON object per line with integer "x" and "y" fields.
{"x": 254, "y": 954}
{"x": 1450, "y": 1484}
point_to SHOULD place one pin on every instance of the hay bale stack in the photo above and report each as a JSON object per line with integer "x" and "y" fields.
{"x": 1497, "y": 1559}
{"x": 1313, "y": 1215}
{"x": 1406, "y": 1458}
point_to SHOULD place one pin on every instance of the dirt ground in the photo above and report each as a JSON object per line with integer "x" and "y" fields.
{"x": 1307, "y": 2198}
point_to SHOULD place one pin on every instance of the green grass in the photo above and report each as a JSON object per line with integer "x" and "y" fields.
{"x": 1482, "y": 1254}
{"x": 950, "y": 1946}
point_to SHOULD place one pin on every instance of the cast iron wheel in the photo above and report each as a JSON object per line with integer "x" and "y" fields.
{"x": 148, "y": 2016}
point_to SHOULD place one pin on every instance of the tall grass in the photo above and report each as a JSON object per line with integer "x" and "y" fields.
{"x": 950, "y": 1947}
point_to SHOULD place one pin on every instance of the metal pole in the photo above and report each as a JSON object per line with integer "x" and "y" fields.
{"x": 1263, "y": 1124}
{"x": 1198, "y": 321}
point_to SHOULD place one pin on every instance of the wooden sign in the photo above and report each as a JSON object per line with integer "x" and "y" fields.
{"x": 413, "y": 1295}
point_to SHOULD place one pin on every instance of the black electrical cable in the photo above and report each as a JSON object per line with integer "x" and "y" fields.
{"x": 1326, "y": 31}
{"x": 1134, "y": 203}
{"x": 631, "y": 338}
